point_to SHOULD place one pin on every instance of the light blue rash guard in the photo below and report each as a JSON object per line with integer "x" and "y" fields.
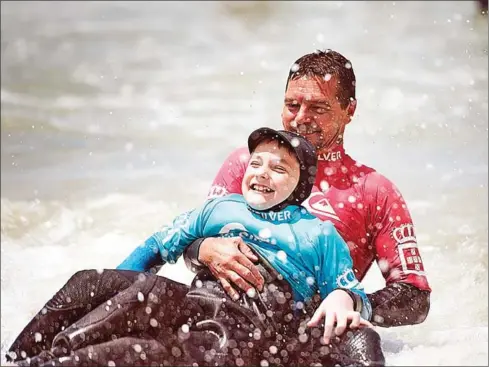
{"x": 309, "y": 253}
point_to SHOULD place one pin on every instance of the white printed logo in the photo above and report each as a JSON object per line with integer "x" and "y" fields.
{"x": 318, "y": 205}
{"x": 404, "y": 234}
{"x": 330, "y": 156}
{"x": 408, "y": 249}
{"x": 238, "y": 230}
{"x": 348, "y": 280}
{"x": 217, "y": 191}
{"x": 232, "y": 226}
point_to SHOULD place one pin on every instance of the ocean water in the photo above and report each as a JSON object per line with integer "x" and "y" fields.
{"x": 115, "y": 117}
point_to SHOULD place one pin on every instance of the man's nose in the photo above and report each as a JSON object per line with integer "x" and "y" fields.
{"x": 303, "y": 116}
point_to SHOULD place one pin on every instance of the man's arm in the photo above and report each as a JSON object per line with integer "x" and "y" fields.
{"x": 406, "y": 298}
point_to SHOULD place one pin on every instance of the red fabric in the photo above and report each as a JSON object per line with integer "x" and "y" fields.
{"x": 366, "y": 208}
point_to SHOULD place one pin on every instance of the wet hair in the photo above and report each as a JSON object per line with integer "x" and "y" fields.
{"x": 320, "y": 64}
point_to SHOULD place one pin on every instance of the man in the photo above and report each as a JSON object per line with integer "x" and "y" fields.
{"x": 366, "y": 208}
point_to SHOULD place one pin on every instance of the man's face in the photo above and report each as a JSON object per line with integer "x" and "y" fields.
{"x": 271, "y": 176}
{"x": 312, "y": 109}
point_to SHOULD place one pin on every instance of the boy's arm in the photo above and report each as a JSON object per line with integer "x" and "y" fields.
{"x": 345, "y": 303}
{"x": 168, "y": 244}
{"x": 336, "y": 270}
{"x": 144, "y": 257}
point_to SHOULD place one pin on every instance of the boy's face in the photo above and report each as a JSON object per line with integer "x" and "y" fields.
{"x": 271, "y": 176}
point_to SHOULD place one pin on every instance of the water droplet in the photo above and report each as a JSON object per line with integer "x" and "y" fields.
{"x": 294, "y": 68}
{"x": 140, "y": 297}
{"x": 137, "y": 348}
{"x": 176, "y": 352}
{"x": 37, "y": 337}
{"x": 265, "y": 233}
{"x": 281, "y": 255}
{"x": 383, "y": 265}
{"x": 251, "y": 293}
{"x": 128, "y": 147}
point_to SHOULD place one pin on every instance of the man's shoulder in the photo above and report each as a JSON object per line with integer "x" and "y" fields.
{"x": 377, "y": 187}
{"x": 240, "y": 154}
{"x": 373, "y": 180}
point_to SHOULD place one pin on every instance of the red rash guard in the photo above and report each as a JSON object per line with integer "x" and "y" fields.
{"x": 365, "y": 207}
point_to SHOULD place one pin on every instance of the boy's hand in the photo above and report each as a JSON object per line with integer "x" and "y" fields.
{"x": 337, "y": 308}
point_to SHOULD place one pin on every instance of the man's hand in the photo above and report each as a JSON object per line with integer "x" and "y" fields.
{"x": 230, "y": 261}
{"x": 337, "y": 308}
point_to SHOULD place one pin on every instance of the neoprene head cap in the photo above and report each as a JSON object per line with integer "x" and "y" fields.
{"x": 305, "y": 154}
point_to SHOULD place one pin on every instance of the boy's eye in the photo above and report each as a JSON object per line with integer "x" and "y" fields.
{"x": 280, "y": 169}
{"x": 254, "y": 164}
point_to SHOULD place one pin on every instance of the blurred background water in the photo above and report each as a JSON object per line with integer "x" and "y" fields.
{"x": 115, "y": 117}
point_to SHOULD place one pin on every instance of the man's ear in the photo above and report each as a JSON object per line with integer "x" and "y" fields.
{"x": 350, "y": 110}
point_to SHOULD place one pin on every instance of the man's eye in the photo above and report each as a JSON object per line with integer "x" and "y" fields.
{"x": 280, "y": 169}
{"x": 254, "y": 164}
{"x": 292, "y": 106}
{"x": 321, "y": 110}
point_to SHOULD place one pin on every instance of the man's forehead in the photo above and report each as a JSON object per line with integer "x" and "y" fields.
{"x": 311, "y": 88}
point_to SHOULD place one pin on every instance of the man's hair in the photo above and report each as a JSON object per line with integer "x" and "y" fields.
{"x": 327, "y": 64}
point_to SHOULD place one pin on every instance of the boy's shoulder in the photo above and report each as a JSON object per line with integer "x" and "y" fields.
{"x": 236, "y": 199}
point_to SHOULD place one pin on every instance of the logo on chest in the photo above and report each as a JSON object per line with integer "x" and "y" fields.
{"x": 318, "y": 205}
{"x": 283, "y": 216}
{"x": 239, "y": 230}
{"x": 330, "y": 156}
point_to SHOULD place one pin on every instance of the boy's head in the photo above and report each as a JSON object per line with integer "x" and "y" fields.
{"x": 281, "y": 170}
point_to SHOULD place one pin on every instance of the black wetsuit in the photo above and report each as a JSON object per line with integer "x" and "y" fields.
{"x": 138, "y": 319}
